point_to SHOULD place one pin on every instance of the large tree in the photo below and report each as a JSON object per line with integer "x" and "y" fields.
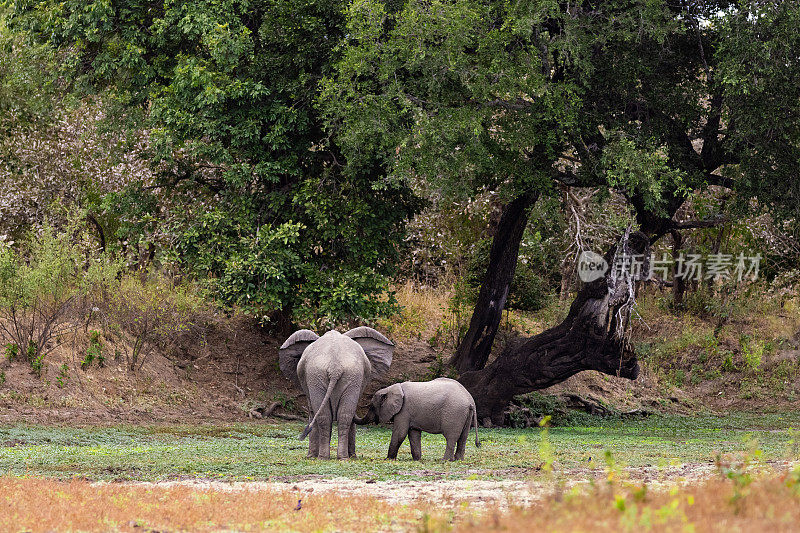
{"x": 252, "y": 194}
{"x": 658, "y": 100}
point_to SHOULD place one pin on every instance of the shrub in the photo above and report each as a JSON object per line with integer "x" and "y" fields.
{"x": 12, "y": 351}
{"x": 94, "y": 351}
{"x": 528, "y": 291}
{"x": 63, "y": 376}
{"x": 727, "y": 362}
{"x": 39, "y": 290}
{"x": 752, "y": 352}
{"x": 152, "y": 313}
{"x": 439, "y": 369}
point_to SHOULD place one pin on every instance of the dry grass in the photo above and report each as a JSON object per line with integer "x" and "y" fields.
{"x": 30, "y": 504}
{"x": 735, "y": 504}
{"x": 424, "y": 309}
{"x": 770, "y": 504}
{"x": 429, "y": 313}
{"x": 745, "y": 356}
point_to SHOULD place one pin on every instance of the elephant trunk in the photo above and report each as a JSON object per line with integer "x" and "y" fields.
{"x": 368, "y": 418}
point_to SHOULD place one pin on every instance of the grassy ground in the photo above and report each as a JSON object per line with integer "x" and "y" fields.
{"x": 36, "y": 505}
{"x": 736, "y": 503}
{"x": 739, "y": 503}
{"x": 46, "y": 475}
{"x": 272, "y": 451}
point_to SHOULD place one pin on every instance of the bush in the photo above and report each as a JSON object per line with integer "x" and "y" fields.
{"x": 94, "y": 351}
{"x": 150, "y": 312}
{"x": 57, "y": 281}
{"x": 528, "y": 291}
{"x": 752, "y": 352}
{"x": 40, "y": 289}
{"x": 439, "y": 369}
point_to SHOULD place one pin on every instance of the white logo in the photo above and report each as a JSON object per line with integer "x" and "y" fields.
{"x": 591, "y": 266}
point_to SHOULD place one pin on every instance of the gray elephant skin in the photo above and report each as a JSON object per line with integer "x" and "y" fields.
{"x": 333, "y": 371}
{"x": 442, "y": 405}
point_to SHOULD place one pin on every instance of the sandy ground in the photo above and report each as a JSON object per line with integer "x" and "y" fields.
{"x": 478, "y": 493}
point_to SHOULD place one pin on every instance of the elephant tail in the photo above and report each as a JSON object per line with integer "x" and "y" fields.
{"x": 475, "y": 421}
{"x": 322, "y": 406}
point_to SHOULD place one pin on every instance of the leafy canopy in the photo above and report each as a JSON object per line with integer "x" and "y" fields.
{"x": 253, "y": 193}
{"x": 655, "y": 99}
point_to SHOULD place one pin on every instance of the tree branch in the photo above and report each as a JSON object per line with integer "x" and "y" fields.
{"x": 697, "y": 224}
{"x": 721, "y": 181}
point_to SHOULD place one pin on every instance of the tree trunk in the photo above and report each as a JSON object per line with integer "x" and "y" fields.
{"x": 590, "y": 338}
{"x": 678, "y": 281}
{"x": 101, "y": 235}
{"x": 473, "y": 351}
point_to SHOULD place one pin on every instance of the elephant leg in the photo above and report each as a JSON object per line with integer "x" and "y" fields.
{"x": 448, "y": 451}
{"x": 346, "y": 428}
{"x": 324, "y": 438}
{"x": 313, "y": 437}
{"x": 462, "y": 441}
{"x": 398, "y": 436}
{"x": 415, "y": 439}
{"x": 351, "y": 441}
{"x": 343, "y": 446}
{"x": 313, "y": 444}
{"x": 320, "y": 436}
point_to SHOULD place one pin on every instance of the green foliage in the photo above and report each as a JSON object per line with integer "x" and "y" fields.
{"x": 255, "y": 272}
{"x": 57, "y": 277}
{"x": 644, "y": 171}
{"x": 534, "y": 405}
{"x": 545, "y": 446}
{"x": 129, "y": 216}
{"x": 288, "y": 136}
{"x": 36, "y": 359}
{"x": 423, "y": 86}
{"x": 452, "y": 329}
{"x": 752, "y": 352}
{"x": 758, "y": 69}
{"x": 12, "y": 351}
{"x": 255, "y": 197}
{"x": 63, "y": 376}
{"x": 528, "y": 290}
{"x": 26, "y": 81}
{"x": 39, "y": 289}
{"x": 94, "y": 351}
{"x": 285, "y": 401}
{"x": 727, "y": 363}
{"x": 439, "y": 369}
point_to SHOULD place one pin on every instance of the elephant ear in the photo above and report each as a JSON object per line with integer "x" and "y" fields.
{"x": 378, "y": 348}
{"x": 390, "y": 401}
{"x": 290, "y": 352}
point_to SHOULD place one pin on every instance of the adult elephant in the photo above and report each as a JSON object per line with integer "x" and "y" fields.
{"x": 333, "y": 371}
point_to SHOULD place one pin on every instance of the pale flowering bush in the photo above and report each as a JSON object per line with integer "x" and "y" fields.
{"x": 70, "y": 163}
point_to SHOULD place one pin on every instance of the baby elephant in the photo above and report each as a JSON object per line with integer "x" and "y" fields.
{"x": 439, "y": 406}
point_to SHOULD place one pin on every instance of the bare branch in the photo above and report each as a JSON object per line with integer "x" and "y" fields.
{"x": 721, "y": 181}
{"x": 697, "y": 224}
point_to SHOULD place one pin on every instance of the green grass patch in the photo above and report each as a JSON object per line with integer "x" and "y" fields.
{"x": 273, "y": 452}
